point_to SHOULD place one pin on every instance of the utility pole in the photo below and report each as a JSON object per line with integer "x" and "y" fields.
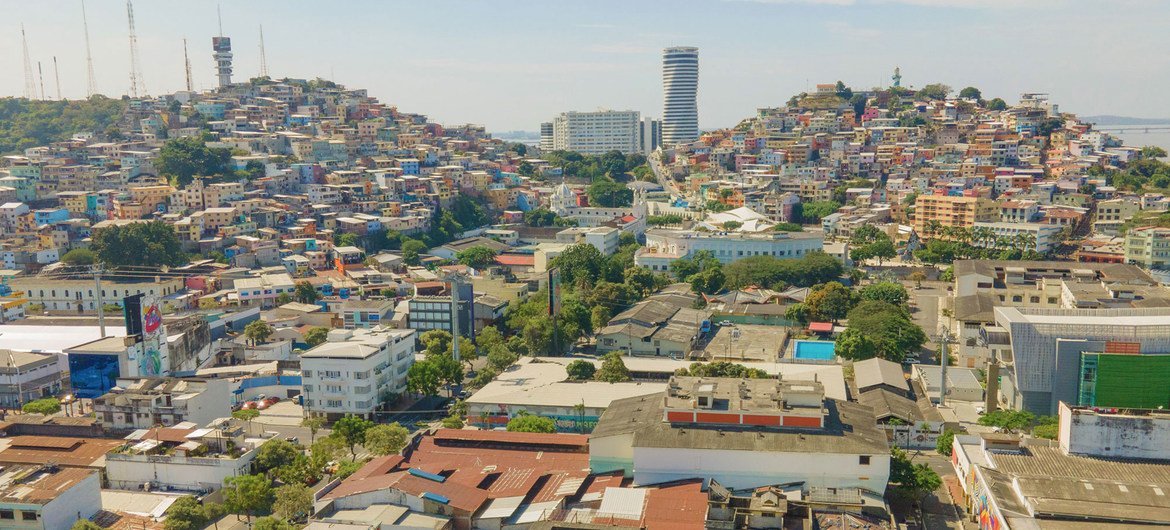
{"x": 101, "y": 305}
{"x": 91, "y": 83}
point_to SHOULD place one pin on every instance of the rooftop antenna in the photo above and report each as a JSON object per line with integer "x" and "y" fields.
{"x": 41, "y": 77}
{"x": 187, "y": 62}
{"x": 219, "y": 17}
{"x": 91, "y": 83}
{"x": 30, "y": 87}
{"x": 57, "y": 74}
{"x": 136, "y": 83}
{"x": 263, "y": 56}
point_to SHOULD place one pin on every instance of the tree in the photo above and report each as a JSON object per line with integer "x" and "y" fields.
{"x": 247, "y": 493}
{"x": 325, "y": 450}
{"x": 258, "y": 331}
{"x": 79, "y": 256}
{"x": 275, "y": 453}
{"x": 47, "y": 406}
{"x": 613, "y": 369}
{"x": 997, "y": 104}
{"x": 889, "y": 329}
{"x": 272, "y": 523}
{"x": 797, "y": 312}
{"x": 787, "y": 227}
{"x": 1008, "y": 420}
{"x": 186, "y": 514}
{"x": 305, "y": 293}
{"x": 917, "y": 277}
{"x": 316, "y": 336}
{"x": 86, "y": 524}
{"x": 934, "y": 91}
{"x": 352, "y": 430}
{"x": 581, "y": 262}
{"x": 435, "y": 341}
{"x": 150, "y": 244}
{"x": 529, "y": 423}
{"x": 815, "y": 211}
{"x": 608, "y": 193}
{"x": 26, "y": 123}
{"x": 477, "y": 257}
{"x": 722, "y": 369}
{"x": 283, "y": 298}
{"x": 581, "y": 370}
{"x": 945, "y": 443}
{"x": 187, "y": 157}
{"x": 246, "y": 415}
{"x": 709, "y": 281}
{"x": 855, "y": 345}
{"x": 890, "y": 292}
{"x": 386, "y": 439}
{"x": 830, "y": 301}
{"x": 1047, "y": 427}
{"x": 452, "y": 422}
{"x": 411, "y": 249}
{"x": 971, "y": 93}
{"x": 913, "y": 481}
{"x": 314, "y": 424}
{"x": 293, "y": 502}
{"x": 539, "y": 217}
{"x": 1149, "y": 151}
{"x": 424, "y": 378}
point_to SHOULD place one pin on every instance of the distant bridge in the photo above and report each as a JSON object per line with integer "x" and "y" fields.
{"x": 1134, "y": 129}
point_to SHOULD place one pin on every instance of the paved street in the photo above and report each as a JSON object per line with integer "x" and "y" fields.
{"x": 938, "y": 510}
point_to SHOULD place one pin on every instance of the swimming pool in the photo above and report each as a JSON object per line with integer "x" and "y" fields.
{"x": 817, "y": 350}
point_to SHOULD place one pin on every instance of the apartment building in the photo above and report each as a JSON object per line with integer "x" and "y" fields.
{"x": 951, "y": 211}
{"x": 78, "y": 296}
{"x": 27, "y": 376}
{"x": 355, "y": 371}
{"x": 183, "y": 458}
{"x": 596, "y": 133}
{"x": 1148, "y": 247}
{"x": 149, "y": 402}
{"x": 1044, "y": 236}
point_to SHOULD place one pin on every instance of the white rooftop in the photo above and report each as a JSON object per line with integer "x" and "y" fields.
{"x": 53, "y": 339}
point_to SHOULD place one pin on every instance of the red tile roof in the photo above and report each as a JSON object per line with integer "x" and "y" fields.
{"x": 516, "y": 260}
{"x": 682, "y": 505}
{"x": 524, "y": 438}
{"x": 820, "y": 327}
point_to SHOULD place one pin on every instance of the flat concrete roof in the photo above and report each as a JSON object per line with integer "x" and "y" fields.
{"x": 53, "y": 339}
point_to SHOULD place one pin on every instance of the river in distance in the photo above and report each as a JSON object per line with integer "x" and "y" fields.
{"x": 1137, "y": 135}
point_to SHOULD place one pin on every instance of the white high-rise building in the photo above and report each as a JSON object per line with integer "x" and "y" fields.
{"x": 595, "y": 133}
{"x": 223, "y": 59}
{"x": 680, "y": 87}
{"x": 546, "y": 136}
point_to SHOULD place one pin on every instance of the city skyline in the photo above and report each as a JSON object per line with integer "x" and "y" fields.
{"x": 557, "y": 57}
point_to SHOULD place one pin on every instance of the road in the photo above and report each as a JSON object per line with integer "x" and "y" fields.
{"x": 939, "y": 511}
{"x": 664, "y": 180}
{"x": 925, "y": 312}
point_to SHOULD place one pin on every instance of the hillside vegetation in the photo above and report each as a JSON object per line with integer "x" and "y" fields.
{"x": 30, "y": 123}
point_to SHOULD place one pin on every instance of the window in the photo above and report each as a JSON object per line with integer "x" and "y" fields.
{"x": 8, "y": 515}
{"x": 307, "y": 373}
{"x": 28, "y": 515}
{"x": 863, "y": 460}
{"x": 335, "y": 403}
{"x": 1035, "y": 299}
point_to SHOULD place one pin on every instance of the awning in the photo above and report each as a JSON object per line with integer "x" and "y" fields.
{"x": 820, "y": 327}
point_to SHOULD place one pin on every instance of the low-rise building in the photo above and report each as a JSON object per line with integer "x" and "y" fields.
{"x": 745, "y": 433}
{"x": 149, "y": 402}
{"x": 355, "y": 371}
{"x": 653, "y": 327}
{"x": 1148, "y": 247}
{"x": 663, "y": 246}
{"x": 183, "y": 457}
{"x": 48, "y": 497}
{"x": 26, "y": 376}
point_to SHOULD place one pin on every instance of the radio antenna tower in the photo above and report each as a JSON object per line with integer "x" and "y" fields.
{"x": 91, "y": 83}
{"x": 187, "y": 61}
{"x": 57, "y": 74}
{"x": 41, "y": 76}
{"x": 30, "y": 87}
{"x": 136, "y": 82}
{"x": 263, "y": 56}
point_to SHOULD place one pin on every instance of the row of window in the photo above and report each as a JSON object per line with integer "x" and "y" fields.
{"x": 25, "y": 515}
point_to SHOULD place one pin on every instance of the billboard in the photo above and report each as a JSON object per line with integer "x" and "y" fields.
{"x": 554, "y": 291}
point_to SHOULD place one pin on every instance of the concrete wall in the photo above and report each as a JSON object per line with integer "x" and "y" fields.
{"x": 177, "y": 472}
{"x": 741, "y": 469}
{"x": 1114, "y": 435}
{"x": 78, "y": 502}
{"x": 611, "y": 453}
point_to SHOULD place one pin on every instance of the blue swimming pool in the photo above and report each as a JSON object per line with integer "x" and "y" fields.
{"x": 817, "y": 350}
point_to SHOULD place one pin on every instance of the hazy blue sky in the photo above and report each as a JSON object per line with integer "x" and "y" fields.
{"x": 511, "y": 64}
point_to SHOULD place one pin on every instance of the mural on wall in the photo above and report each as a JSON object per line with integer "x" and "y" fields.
{"x": 988, "y": 519}
{"x": 150, "y": 364}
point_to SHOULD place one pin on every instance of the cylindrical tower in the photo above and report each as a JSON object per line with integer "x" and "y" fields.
{"x": 680, "y": 86}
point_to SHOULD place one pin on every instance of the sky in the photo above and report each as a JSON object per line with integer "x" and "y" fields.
{"x": 511, "y": 64}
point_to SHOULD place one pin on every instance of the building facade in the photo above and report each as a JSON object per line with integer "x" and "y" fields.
{"x": 354, "y": 371}
{"x": 680, "y": 88}
{"x": 596, "y": 133}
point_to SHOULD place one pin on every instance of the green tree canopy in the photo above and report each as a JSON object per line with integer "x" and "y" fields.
{"x": 424, "y": 378}
{"x": 305, "y": 293}
{"x": 722, "y": 369}
{"x": 26, "y": 123}
{"x": 580, "y": 370}
{"x": 531, "y": 423}
{"x": 386, "y": 439}
{"x": 817, "y": 210}
{"x": 352, "y": 430}
{"x": 316, "y": 336}
{"x": 293, "y": 502}
{"x": 889, "y": 328}
{"x": 913, "y": 481}
{"x": 411, "y": 249}
{"x": 971, "y": 93}
{"x": 1009, "y": 420}
{"x": 188, "y": 157}
{"x": 247, "y": 494}
{"x": 477, "y": 257}
{"x": 79, "y": 256}
{"x": 258, "y": 331}
{"x": 150, "y": 244}
{"x": 608, "y": 193}
{"x": 768, "y": 271}
{"x": 46, "y": 406}
{"x": 893, "y": 293}
{"x": 275, "y": 453}
{"x": 830, "y": 301}
{"x": 613, "y": 369}
{"x": 934, "y": 91}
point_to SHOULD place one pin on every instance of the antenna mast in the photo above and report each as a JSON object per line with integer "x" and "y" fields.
{"x": 263, "y": 56}
{"x": 91, "y": 83}
{"x": 30, "y": 88}
{"x": 136, "y": 82}
{"x": 188, "y": 64}
{"x": 57, "y": 74}
{"x": 41, "y": 76}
